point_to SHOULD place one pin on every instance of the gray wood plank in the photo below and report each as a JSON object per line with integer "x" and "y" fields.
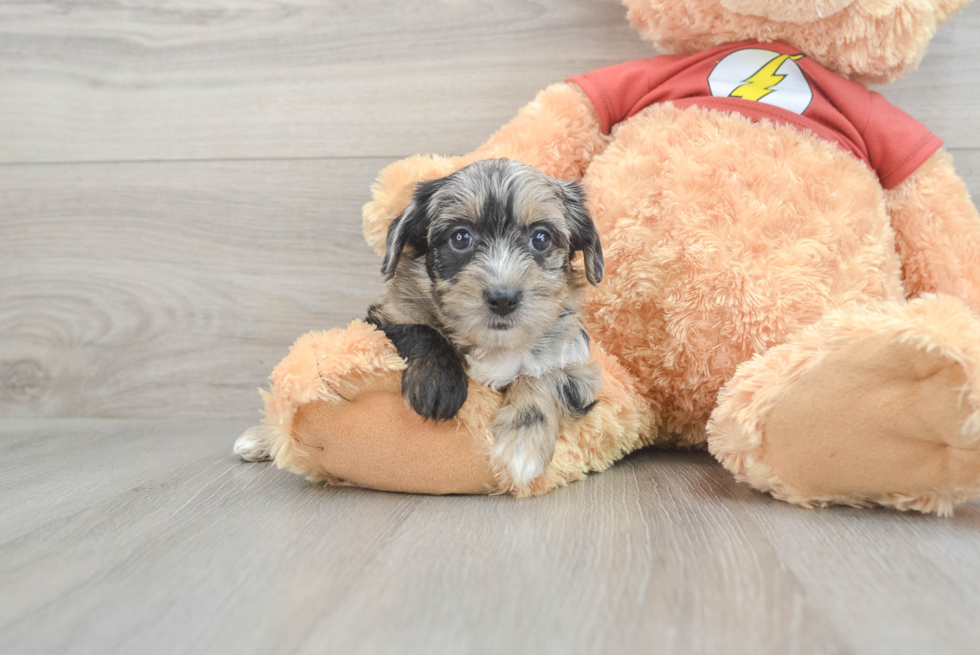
{"x": 169, "y": 290}
{"x": 297, "y": 78}
{"x": 166, "y": 566}
{"x": 57, "y": 467}
{"x": 663, "y": 553}
{"x": 646, "y": 557}
{"x": 220, "y": 556}
{"x": 861, "y": 566}
{"x": 301, "y": 78}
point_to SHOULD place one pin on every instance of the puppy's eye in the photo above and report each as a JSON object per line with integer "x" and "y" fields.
{"x": 540, "y": 241}
{"x": 461, "y": 239}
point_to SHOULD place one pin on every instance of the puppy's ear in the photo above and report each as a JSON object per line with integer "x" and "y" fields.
{"x": 582, "y": 229}
{"x": 411, "y": 228}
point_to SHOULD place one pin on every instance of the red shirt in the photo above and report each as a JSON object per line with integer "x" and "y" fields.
{"x": 769, "y": 81}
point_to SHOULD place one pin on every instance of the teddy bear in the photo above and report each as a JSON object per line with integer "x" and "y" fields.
{"x": 792, "y": 273}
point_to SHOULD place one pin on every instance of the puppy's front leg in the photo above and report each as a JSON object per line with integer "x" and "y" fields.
{"x": 534, "y": 412}
{"x": 434, "y": 383}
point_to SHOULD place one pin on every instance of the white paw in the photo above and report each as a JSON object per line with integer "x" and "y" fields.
{"x": 525, "y": 441}
{"x": 254, "y": 445}
{"x": 524, "y": 467}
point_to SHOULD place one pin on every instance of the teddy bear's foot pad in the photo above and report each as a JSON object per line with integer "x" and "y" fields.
{"x": 877, "y": 416}
{"x": 873, "y": 404}
{"x": 376, "y": 440}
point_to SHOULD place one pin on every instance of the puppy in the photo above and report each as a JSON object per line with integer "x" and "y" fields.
{"x": 480, "y": 283}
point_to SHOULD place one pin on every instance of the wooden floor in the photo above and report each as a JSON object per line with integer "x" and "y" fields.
{"x": 180, "y": 192}
{"x": 147, "y": 536}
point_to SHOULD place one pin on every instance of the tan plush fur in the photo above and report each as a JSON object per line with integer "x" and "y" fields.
{"x": 867, "y": 40}
{"x": 764, "y": 296}
{"x": 895, "y": 374}
{"x": 937, "y": 237}
{"x": 728, "y": 249}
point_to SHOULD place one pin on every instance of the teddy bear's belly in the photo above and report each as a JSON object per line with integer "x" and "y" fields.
{"x": 721, "y": 237}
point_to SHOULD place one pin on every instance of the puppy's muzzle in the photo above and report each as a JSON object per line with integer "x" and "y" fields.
{"x": 502, "y": 301}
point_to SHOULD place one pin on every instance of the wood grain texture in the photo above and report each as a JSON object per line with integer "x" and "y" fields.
{"x": 303, "y": 78}
{"x": 57, "y": 467}
{"x": 663, "y": 553}
{"x": 295, "y": 78}
{"x": 172, "y": 289}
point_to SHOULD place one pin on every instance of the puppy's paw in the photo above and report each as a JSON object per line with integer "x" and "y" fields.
{"x": 254, "y": 445}
{"x": 525, "y": 442}
{"x": 579, "y": 389}
{"x": 524, "y": 467}
{"x": 435, "y": 387}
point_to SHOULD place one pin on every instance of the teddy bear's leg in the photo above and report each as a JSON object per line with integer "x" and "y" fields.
{"x": 871, "y": 405}
{"x": 335, "y": 413}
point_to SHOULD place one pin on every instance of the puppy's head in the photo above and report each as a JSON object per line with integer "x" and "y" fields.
{"x": 497, "y": 239}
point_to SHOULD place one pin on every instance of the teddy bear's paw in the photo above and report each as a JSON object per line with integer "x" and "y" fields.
{"x": 867, "y": 408}
{"x": 884, "y": 419}
{"x": 336, "y": 413}
{"x": 254, "y": 445}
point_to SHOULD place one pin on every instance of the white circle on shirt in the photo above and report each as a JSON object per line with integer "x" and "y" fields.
{"x": 764, "y": 76}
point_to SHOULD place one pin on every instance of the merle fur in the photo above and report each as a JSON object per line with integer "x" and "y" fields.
{"x": 571, "y": 396}
{"x": 411, "y": 229}
{"x": 531, "y": 416}
{"x": 435, "y": 382}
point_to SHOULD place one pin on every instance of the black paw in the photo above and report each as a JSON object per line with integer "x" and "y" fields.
{"x": 579, "y": 390}
{"x": 435, "y": 387}
{"x": 434, "y": 383}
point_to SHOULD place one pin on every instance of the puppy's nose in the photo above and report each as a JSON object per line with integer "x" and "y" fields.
{"x": 502, "y": 301}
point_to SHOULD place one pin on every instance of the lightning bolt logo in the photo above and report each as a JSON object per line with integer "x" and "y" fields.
{"x": 762, "y": 82}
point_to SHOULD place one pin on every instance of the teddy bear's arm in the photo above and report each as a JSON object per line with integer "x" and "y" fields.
{"x": 937, "y": 231}
{"x": 558, "y": 132}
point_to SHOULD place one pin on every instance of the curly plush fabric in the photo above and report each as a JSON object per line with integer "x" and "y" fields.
{"x": 937, "y": 237}
{"x": 764, "y": 296}
{"x": 855, "y": 382}
{"x": 870, "y": 41}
